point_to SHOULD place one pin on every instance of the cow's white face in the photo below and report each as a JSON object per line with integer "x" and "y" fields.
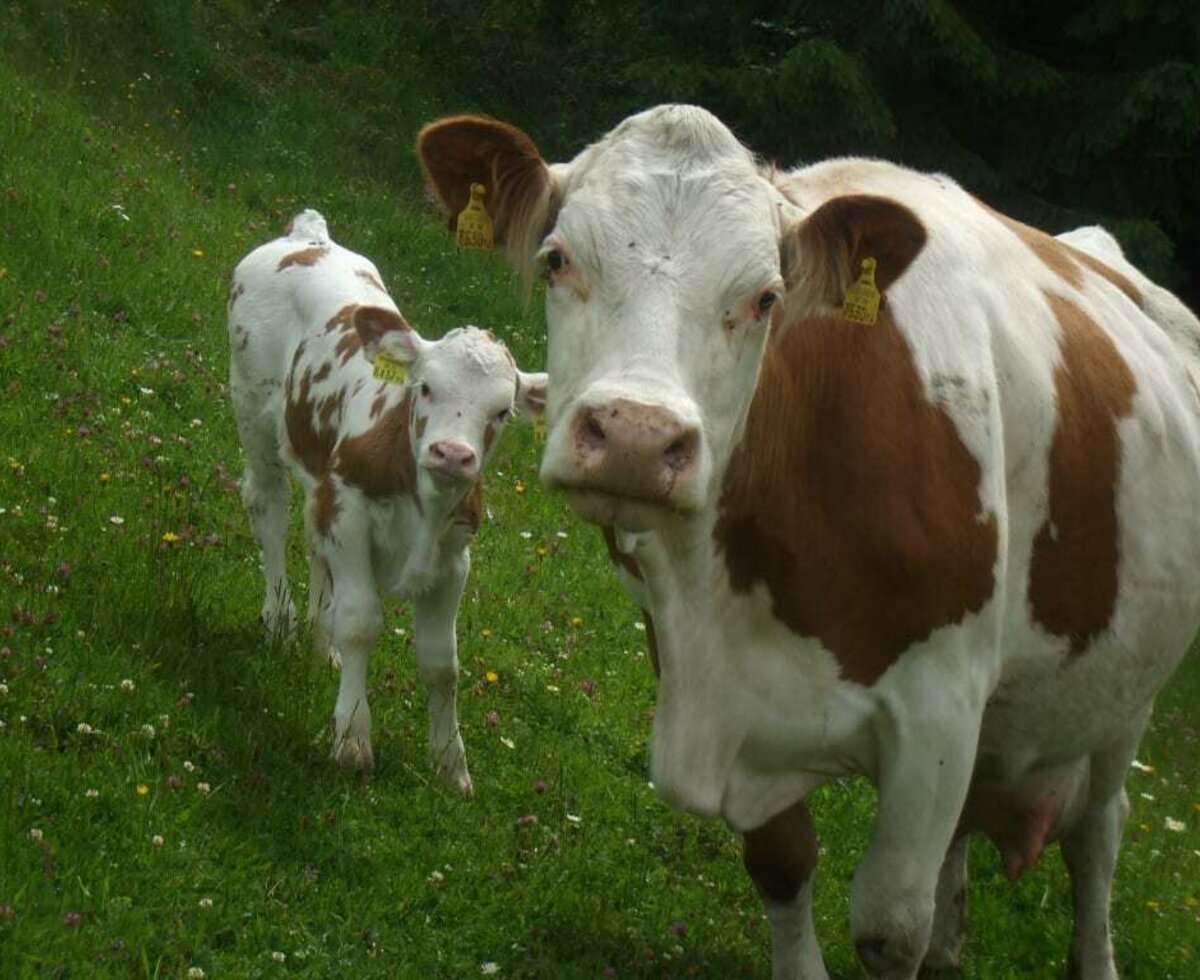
{"x": 662, "y": 264}
{"x": 464, "y": 389}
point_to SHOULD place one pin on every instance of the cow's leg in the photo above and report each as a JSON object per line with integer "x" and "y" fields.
{"x": 924, "y": 761}
{"x": 781, "y": 857}
{"x": 1089, "y": 849}
{"x": 266, "y": 498}
{"x": 357, "y": 619}
{"x": 435, "y": 612}
{"x": 943, "y": 959}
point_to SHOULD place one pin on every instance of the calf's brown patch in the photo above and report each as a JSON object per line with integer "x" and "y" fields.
{"x": 304, "y": 256}
{"x": 325, "y": 506}
{"x": 379, "y": 461}
{"x": 310, "y": 428}
{"x": 1073, "y": 574}
{"x": 853, "y": 499}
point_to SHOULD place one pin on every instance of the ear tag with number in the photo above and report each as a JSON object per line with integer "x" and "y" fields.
{"x": 539, "y": 430}
{"x": 387, "y": 368}
{"x": 861, "y": 304}
{"x": 474, "y": 228}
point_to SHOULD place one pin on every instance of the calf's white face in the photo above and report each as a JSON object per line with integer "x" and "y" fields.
{"x": 465, "y": 387}
{"x": 660, "y": 250}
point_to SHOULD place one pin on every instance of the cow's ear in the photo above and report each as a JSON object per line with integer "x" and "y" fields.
{"x": 823, "y": 254}
{"x": 530, "y": 399}
{"x": 520, "y": 190}
{"x": 386, "y": 331}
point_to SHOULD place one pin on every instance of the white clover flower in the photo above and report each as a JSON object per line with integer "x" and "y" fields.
{"x": 91, "y": 794}
{"x": 1177, "y": 826}
{"x": 127, "y": 685}
{"x": 203, "y": 789}
{"x": 35, "y": 834}
{"x": 147, "y": 731}
{"x": 436, "y": 877}
{"x": 489, "y": 968}
{"x": 205, "y": 903}
{"x": 278, "y": 956}
{"x": 157, "y": 840}
{"x": 196, "y": 973}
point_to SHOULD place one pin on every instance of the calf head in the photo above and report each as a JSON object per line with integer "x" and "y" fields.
{"x": 668, "y": 256}
{"x": 462, "y": 390}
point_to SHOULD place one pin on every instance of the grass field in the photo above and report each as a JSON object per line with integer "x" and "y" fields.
{"x": 167, "y": 803}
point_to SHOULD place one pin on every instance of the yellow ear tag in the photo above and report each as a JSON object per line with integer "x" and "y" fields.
{"x": 539, "y": 430}
{"x": 861, "y": 304}
{"x": 474, "y": 228}
{"x": 387, "y": 368}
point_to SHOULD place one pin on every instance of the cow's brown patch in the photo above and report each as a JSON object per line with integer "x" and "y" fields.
{"x": 1073, "y": 575}
{"x": 372, "y": 323}
{"x": 380, "y": 461}
{"x": 309, "y": 428}
{"x": 325, "y": 506}
{"x": 470, "y": 508}
{"x": 370, "y": 279}
{"x": 323, "y": 372}
{"x": 305, "y": 256}
{"x": 782, "y": 853}
{"x": 1065, "y": 260}
{"x": 853, "y": 499}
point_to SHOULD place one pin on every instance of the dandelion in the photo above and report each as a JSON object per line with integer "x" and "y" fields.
{"x": 1175, "y": 826}
{"x": 142, "y": 789}
{"x": 35, "y": 835}
{"x": 126, "y": 685}
{"x": 157, "y": 840}
{"x": 486, "y": 633}
{"x": 576, "y": 621}
{"x": 205, "y": 903}
{"x": 542, "y": 552}
{"x": 170, "y": 537}
{"x": 197, "y": 253}
{"x": 519, "y": 487}
{"x": 491, "y": 677}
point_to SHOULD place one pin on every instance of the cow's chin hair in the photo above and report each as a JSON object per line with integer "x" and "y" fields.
{"x": 624, "y": 513}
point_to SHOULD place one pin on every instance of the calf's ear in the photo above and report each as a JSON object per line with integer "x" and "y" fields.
{"x": 530, "y": 399}
{"x": 823, "y": 254}
{"x": 386, "y": 331}
{"x": 521, "y": 192}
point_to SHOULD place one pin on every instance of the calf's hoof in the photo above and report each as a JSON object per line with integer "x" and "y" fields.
{"x": 353, "y": 753}
{"x": 457, "y": 779}
{"x": 886, "y": 959}
{"x": 279, "y": 618}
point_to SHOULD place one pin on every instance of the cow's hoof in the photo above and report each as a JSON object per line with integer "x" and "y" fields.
{"x": 354, "y": 754}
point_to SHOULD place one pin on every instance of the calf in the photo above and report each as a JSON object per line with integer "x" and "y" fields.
{"x": 388, "y": 434}
{"x": 912, "y": 490}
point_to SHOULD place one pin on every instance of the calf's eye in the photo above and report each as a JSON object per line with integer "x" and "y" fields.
{"x": 555, "y": 260}
{"x": 426, "y": 391}
{"x": 767, "y": 300}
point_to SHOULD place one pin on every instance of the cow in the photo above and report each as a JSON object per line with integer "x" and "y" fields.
{"x": 388, "y": 433}
{"x": 910, "y": 490}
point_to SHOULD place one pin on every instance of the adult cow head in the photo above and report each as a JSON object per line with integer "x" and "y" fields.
{"x": 668, "y": 254}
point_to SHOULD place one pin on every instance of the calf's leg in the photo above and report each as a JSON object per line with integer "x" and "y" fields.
{"x": 266, "y": 498}
{"x": 435, "y": 612}
{"x": 781, "y": 857}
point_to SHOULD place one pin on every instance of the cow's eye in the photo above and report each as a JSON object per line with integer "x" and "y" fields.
{"x": 426, "y": 391}
{"x": 555, "y": 260}
{"x": 766, "y": 301}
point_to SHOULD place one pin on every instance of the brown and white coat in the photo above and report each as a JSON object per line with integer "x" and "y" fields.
{"x": 956, "y": 550}
{"x": 391, "y": 469}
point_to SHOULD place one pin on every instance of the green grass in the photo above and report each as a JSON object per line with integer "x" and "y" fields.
{"x": 122, "y": 209}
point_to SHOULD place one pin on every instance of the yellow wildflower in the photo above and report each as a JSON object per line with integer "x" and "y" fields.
{"x": 519, "y": 487}
{"x": 142, "y": 789}
{"x": 491, "y": 677}
{"x": 576, "y": 621}
{"x": 105, "y": 478}
{"x": 170, "y": 537}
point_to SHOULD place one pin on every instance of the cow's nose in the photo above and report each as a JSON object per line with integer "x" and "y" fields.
{"x": 453, "y": 459}
{"x": 633, "y": 449}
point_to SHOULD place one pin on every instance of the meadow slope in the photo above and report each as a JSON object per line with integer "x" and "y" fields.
{"x": 166, "y": 798}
